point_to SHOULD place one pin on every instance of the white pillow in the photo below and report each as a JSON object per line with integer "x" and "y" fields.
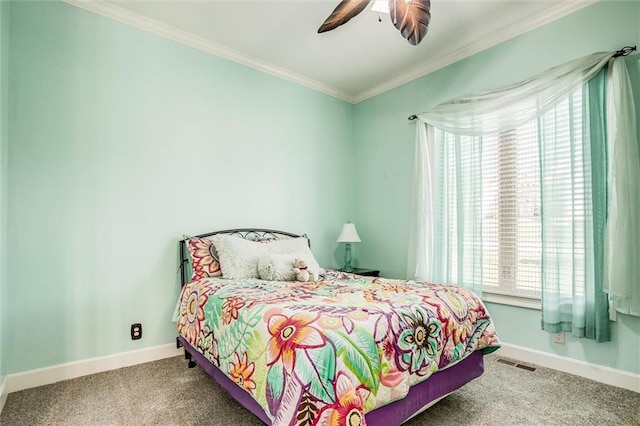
{"x": 279, "y": 267}
{"x": 276, "y": 267}
{"x": 287, "y": 245}
{"x": 297, "y": 246}
{"x": 239, "y": 257}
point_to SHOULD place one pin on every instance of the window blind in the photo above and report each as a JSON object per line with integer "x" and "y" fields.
{"x": 566, "y": 225}
{"x": 491, "y": 207}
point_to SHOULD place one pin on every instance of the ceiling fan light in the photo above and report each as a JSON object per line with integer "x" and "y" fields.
{"x": 380, "y": 6}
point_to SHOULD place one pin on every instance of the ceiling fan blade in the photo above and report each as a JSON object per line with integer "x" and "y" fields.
{"x": 346, "y": 10}
{"x": 411, "y": 18}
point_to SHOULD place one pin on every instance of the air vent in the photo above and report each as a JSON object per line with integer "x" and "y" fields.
{"x": 515, "y": 364}
{"x": 526, "y": 367}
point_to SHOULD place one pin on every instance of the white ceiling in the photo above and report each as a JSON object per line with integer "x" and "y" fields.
{"x": 353, "y": 62}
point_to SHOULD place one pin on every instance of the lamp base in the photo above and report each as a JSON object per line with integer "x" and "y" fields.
{"x": 347, "y": 259}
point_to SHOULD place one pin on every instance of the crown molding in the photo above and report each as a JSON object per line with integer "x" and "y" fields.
{"x": 149, "y": 25}
{"x": 562, "y": 9}
{"x": 152, "y": 26}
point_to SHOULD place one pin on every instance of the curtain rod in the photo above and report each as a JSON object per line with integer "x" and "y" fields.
{"x": 625, "y": 51}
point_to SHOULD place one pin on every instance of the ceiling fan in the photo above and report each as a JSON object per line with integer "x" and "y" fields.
{"x": 410, "y": 17}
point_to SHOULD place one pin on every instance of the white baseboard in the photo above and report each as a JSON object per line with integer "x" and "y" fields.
{"x": 57, "y": 373}
{"x": 44, "y": 376}
{"x": 3, "y": 393}
{"x": 599, "y": 373}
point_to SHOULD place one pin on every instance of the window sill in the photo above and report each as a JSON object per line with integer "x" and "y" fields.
{"x": 504, "y": 299}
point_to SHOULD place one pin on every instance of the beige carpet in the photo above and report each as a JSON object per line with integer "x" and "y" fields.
{"x": 166, "y": 392}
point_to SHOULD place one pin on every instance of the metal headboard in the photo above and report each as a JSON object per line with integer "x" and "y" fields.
{"x": 253, "y": 234}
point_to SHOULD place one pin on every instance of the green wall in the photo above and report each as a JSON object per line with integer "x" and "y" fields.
{"x": 384, "y": 154}
{"x": 120, "y": 142}
{"x": 4, "y": 62}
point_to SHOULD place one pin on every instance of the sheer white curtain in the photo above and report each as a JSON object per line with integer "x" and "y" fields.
{"x": 483, "y": 113}
{"x": 514, "y": 105}
{"x": 420, "y": 261}
{"x": 511, "y": 107}
{"x": 622, "y": 235}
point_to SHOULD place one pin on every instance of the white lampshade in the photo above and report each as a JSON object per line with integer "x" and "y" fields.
{"x": 349, "y": 234}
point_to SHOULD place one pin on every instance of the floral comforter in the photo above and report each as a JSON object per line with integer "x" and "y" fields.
{"x": 327, "y": 352}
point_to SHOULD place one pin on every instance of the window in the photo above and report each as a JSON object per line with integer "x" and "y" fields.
{"x": 479, "y": 222}
{"x": 488, "y": 198}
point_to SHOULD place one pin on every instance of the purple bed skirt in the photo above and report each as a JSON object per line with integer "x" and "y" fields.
{"x": 420, "y": 395}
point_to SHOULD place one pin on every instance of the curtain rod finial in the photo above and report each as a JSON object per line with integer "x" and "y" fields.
{"x": 625, "y": 51}
{"x": 413, "y": 117}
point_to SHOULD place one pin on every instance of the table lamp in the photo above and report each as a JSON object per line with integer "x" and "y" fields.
{"x": 348, "y": 235}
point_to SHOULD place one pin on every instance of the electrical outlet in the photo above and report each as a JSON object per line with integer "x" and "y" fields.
{"x": 559, "y": 338}
{"x": 136, "y": 331}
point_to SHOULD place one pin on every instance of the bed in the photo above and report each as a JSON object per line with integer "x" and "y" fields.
{"x": 341, "y": 349}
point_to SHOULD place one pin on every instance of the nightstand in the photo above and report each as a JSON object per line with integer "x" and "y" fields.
{"x": 366, "y": 272}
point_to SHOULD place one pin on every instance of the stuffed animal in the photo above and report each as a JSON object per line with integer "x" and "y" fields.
{"x": 302, "y": 271}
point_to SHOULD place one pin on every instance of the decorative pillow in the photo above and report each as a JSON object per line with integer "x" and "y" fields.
{"x": 279, "y": 267}
{"x": 297, "y": 246}
{"x": 276, "y": 267}
{"x": 286, "y": 245}
{"x": 204, "y": 259}
{"x": 239, "y": 257}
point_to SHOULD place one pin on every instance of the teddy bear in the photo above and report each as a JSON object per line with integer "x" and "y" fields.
{"x": 302, "y": 271}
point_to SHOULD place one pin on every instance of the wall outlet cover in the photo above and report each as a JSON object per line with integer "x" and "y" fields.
{"x": 136, "y": 331}
{"x": 559, "y": 337}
